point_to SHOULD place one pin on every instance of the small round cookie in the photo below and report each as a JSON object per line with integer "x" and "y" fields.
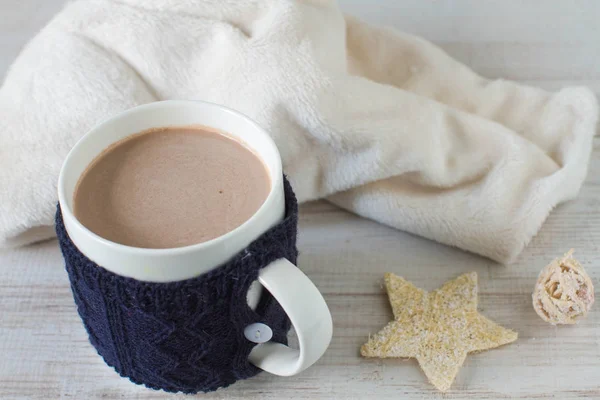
{"x": 564, "y": 292}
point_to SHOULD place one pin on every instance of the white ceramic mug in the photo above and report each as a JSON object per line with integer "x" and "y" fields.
{"x": 297, "y": 295}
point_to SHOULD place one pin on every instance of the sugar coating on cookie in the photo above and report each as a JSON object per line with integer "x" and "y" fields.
{"x": 437, "y": 328}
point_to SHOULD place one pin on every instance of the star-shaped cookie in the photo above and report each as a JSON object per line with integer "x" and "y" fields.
{"x": 437, "y": 328}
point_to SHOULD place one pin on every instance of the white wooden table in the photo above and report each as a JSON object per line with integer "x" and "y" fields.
{"x": 44, "y": 351}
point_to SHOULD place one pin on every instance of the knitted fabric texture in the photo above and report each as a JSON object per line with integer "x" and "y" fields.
{"x": 185, "y": 336}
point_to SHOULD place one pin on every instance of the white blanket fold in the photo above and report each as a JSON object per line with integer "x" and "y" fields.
{"x": 381, "y": 123}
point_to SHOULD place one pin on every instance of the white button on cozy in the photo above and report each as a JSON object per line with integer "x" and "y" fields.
{"x": 258, "y": 333}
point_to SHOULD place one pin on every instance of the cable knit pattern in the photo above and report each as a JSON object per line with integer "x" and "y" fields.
{"x": 184, "y": 336}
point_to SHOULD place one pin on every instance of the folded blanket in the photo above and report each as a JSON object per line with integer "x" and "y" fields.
{"x": 379, "y": 122}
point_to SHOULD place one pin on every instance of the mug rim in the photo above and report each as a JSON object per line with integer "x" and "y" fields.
{"x": 276, "y": 180}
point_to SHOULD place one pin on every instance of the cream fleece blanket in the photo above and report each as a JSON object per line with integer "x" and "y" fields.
{"x": 379, "y": 122}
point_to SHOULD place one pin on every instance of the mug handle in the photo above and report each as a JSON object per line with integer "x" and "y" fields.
{"x": 309, "y": 314}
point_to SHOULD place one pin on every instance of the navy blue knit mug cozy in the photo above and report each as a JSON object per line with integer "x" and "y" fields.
{"x": 200, "y": 332}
